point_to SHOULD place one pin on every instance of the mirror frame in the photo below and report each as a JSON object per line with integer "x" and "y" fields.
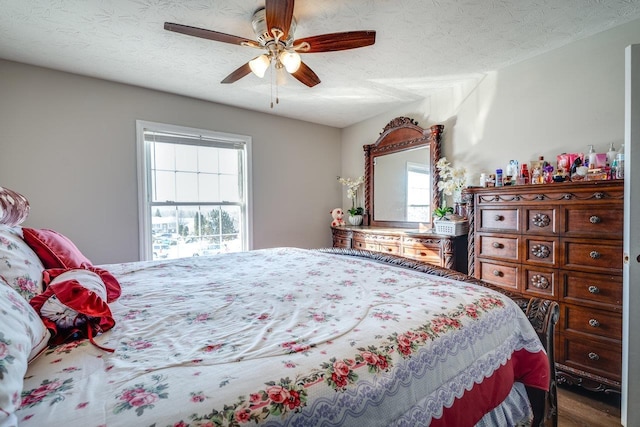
{"x": 401, "y": 134}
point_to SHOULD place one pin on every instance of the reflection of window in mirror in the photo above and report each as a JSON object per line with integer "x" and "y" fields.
{"x": 418, "y": 192}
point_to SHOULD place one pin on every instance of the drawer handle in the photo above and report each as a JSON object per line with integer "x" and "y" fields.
{"x": 541, "y": 220}
{"x": 595, "y": 219}
{"x": 541, "y": 251}
{"x": 497, "y": 245}
{"x": 497, "y": 273}
{"x": 423, "y": 254}
{"x": 539, "y": 281}
{"x": 594, "y": 289}
{"x": 389, "y": 249}
{"x": 593, "y": 356}
{"x": 594, "y": 323}
{"x": 498, "y": 217}
{"x": 595, "y": 254}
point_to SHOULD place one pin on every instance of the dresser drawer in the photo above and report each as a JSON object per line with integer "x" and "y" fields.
{"x": 363, "y": 244}
{"x": 498, "y": 219}
{"x": 540, "y": 281}
{"x": 598, "y": 290}
{"x": 389, "y": 249}
{"x": 424, "y": 254}
{"x": 505, "y": 276}
{"x": 501, "y": 247}
{"x": 593, "y": 356}
{"x": 592, "y": 321}
{"x": 541, "y": 221}
{"x": 598, "y": 255}
{"x": 341, "y": 242}
{"x": 542, "y": 251}
{"x": 596, "y": 221}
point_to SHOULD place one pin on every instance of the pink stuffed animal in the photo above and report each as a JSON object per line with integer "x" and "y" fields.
{"x": 337, "y": 215}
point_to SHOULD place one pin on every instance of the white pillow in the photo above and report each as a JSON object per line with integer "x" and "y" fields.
{"x": 23, "y": 336}
{"x": 20, "y": 266}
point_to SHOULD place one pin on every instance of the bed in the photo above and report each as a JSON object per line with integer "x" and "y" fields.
{"x": 273, "y": 337}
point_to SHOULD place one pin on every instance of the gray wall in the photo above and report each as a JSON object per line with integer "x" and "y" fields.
{"x": 557, "y": 102}
{"x": 68, "y": 143}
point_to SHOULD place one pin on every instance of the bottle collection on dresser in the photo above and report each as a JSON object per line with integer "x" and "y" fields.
{"x": 592, "y": 166}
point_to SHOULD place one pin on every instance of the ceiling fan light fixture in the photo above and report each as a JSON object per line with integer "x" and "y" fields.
{"x": 259, "y": 65}
{"x": 290, "y": 60}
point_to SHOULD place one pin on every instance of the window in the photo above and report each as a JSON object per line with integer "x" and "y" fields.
{"x": 418, "y": 192}
{"x": 194, "y": 191}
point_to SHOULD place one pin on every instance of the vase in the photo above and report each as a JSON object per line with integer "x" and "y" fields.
{"x": 355, "y": 219}
{"x": 459, "y": 208}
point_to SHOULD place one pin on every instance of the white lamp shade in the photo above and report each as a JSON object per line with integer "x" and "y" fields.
{"x": 290, "y": 60}
{"x": 259, "y": 65}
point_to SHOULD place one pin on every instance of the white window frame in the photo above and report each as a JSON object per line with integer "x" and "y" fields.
{"x": 144, "y": 180}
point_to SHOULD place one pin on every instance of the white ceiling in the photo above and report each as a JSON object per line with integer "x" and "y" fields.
{"x": 421, "y": 46}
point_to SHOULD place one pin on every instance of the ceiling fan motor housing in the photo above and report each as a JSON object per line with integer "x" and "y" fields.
{"x": 263, "y": 35}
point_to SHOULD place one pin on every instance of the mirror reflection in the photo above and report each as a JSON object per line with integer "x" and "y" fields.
{"x": 402, "y": 186}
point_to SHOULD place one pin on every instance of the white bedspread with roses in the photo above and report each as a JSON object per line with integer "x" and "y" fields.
{"x": 279, "y": 337}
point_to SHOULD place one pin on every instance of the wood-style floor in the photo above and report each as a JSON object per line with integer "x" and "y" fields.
{"x": 579, "y": 407}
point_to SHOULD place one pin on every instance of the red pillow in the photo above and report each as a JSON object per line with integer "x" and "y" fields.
{"x": 54, "y": 249}
{"x": 110, "y": 282}
{"x": 59, "y": 254}
{"x": 73, "y": 307}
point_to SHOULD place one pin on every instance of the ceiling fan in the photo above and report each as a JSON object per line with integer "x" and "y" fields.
{"x": 274, "y": 26}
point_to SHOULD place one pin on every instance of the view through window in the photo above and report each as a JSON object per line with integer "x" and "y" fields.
{"x": 195, "y": 188}
{"x": 418, "y": 192}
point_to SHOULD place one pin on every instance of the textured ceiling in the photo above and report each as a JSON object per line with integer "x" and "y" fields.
{"x": 421, "y": 46}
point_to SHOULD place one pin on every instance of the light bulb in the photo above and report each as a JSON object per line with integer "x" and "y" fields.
{"x": 281, "y": 76}
{"x": 259, "y": 65}
{"x": 290, "y": 60}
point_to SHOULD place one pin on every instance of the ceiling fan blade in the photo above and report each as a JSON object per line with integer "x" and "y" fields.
{"x": 279, "y": 14}
{"x": 209, "y": 34}
{"x": 306, "y": 75}
{"x": 237, "y": 74}
{"x": 335, "y": 41}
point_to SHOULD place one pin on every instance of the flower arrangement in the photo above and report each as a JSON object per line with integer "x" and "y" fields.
{"x": 452, "y": 181}
{"x": 352, "y": 193}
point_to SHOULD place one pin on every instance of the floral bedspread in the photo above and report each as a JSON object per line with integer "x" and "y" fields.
{"x": 287, "y": 337}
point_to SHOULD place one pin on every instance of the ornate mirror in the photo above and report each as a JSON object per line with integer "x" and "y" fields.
{"x": 401, "y": 179}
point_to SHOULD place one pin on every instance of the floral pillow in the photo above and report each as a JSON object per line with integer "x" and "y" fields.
{"x": 22, "y": 337}
{"x": 14, "y": 207}
{"x": 20, "y": 267}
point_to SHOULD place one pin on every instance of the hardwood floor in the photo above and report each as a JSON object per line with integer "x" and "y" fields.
{"x": 579, "y": 407}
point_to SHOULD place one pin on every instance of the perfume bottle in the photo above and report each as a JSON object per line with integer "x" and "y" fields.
{"x": 611, "y": 154}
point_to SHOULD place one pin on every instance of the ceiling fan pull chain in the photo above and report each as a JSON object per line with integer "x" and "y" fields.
{"x": 271, "y": 83}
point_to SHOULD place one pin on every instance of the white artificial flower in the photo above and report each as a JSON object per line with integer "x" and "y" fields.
{"x": 452, "y": 179}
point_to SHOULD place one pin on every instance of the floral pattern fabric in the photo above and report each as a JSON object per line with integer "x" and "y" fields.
{"x": 20, "y": 267}
{"x": 280, "y": 337}
{"x": 22, "y": 337}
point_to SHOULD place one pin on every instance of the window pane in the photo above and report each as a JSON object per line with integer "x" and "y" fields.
{"x": 229, "y": 191}
{"x": 164, "y": 186}
{"x": 208, "y": 188}
{"x": 186, "y": 187}
{"x": 164, "y": 157}
{"x": 208, "y": 159}
{"x": 228, "y": 161}
{"x": 186, "y": 158}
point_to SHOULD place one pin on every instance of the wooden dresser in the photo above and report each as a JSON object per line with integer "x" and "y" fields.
{"x": 443, "y": 251}
{"x": 560, "y": 241}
